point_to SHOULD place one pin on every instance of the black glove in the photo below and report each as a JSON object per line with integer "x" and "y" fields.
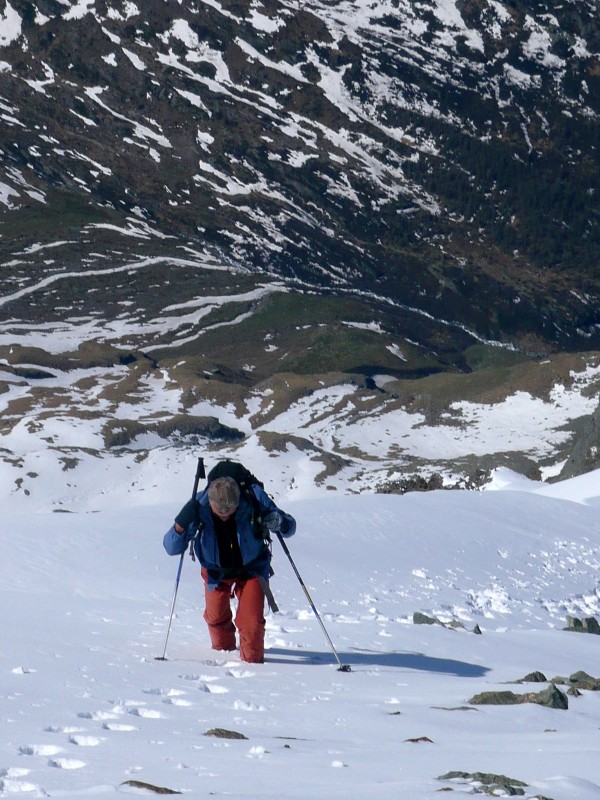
{"x": 272, "y": 522}
{"x": 188, "y": 515}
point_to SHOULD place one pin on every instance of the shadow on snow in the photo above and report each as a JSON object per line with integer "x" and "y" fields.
{"x": 373, "y": 658}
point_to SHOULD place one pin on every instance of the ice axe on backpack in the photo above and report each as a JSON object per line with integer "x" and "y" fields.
{"x": 342, "y": 667}
{"x": 200, "y": 473}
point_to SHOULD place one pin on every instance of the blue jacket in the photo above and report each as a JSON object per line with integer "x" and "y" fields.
{"x": 196, "y": 516}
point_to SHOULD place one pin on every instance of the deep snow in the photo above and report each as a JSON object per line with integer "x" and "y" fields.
{"x": 86, "y": 706}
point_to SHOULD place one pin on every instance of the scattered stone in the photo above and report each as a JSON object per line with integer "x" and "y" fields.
{"x": 427, "y": 483}
{"x": 150, "y": 787}
{"x": 487, "y": 782}
{"x": 584, "y": 451}
{"x": 477, "y": 630}
{"x": 413, "y": 483}
{"x": 223, "y": 733}
{"x": 585, "y": 625}
{"x": 533, "y": 677}
{"x": 454, "y": 708}
{"x": 420, "y": 739}
{"x": 582, "y": 680}
{"x": 422, "y": 619}
{"x": 579, "y": 680}
{"x": 550, "y": 697}
{"x": 121, "y": 433}
{"x": 505, "y": 698}
{"x": 582, "y": 677}
{"x": 574, "y": 692}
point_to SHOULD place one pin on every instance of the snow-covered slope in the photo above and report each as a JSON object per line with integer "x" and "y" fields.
{"x": 73, "y": 439}
{"x": 86, "y": 706}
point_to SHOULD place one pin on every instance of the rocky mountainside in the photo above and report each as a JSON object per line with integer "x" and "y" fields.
{"x": 248, "y": 199}
{"x": 440, "y": 157}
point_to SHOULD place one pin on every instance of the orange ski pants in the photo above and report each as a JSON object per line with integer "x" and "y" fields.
{"x": 249, "y": 618}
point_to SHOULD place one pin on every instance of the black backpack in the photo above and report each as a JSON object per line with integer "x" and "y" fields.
{"x": 244, "y": 479}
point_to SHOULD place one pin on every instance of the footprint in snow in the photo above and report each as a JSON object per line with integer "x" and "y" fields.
{"x": 163, "y": 692}
{"x": 11, "y": 781}
{"x": 146, "y": 713}
{"x": 85, "y": 741}
{"x": 12, "y": 786}
{"x": 242, "y": 705}
{"x": 212, "y": 688}
{"x": 240, "y": 673}
{"x": 63, "y": 729}
{"x": 39, "y": 750}
{"x": 66, "y": 763}
{"x": 177, "y": 701}
{"x": 117, "y": 726}
{"x": 210, "y": 662}
{"x": 171, "y": 696}
{"x": 206, "y": 683}
{"x": 98, "y": 716}
{"x": 14, "y": 772}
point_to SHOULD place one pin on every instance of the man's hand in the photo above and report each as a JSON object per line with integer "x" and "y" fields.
{"x": 272, "y": 522}
{"x": 188, "y": 516}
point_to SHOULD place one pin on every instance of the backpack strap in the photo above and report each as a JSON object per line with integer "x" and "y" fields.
{"x": 252, "y": 499}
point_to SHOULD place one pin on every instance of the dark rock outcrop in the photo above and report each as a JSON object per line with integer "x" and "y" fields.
{"x": 551, "y": 697}
{"x": 451, "y": 173}
{"x": 585, "y": 455}
{"x": 585, "y": 625}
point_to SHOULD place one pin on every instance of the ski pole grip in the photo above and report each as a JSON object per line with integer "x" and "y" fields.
{"x": 200, "y": 473}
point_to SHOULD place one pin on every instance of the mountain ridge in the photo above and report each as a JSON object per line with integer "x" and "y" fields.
{"x": 258, "y": 203}
{"x": 339, "y": 144}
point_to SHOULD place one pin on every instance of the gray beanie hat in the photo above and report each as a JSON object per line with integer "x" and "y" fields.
{"x": 224, "y": 495}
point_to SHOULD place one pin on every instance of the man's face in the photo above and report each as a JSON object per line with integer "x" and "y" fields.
{"x": 222, "y": 516}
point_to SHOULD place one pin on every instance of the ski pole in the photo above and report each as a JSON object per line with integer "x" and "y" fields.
{"x": 342, "y": 667}
{"x": 200, "y": 473}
